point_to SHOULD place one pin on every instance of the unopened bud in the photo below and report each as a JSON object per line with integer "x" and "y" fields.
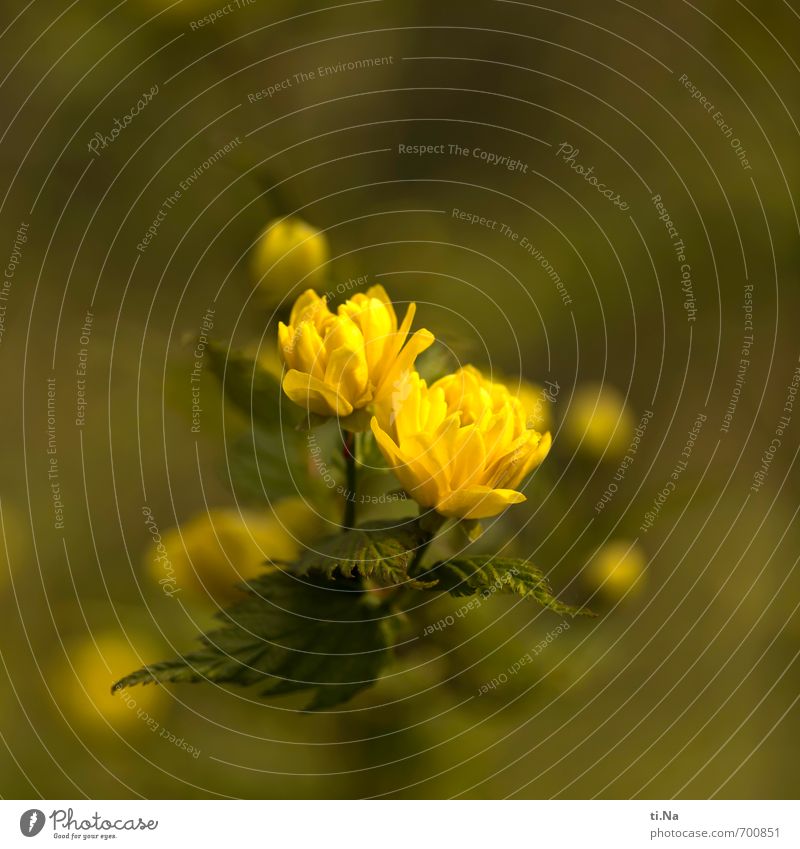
{"x": 290, "y": 255}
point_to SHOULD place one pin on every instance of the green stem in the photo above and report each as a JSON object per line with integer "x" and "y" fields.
{"x": 431, "y": 524}
{"x": 349, "y": 451}
{"x": 418, "y": 555}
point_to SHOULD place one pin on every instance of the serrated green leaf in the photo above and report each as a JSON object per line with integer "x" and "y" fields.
{"x": 375, "y": 551}
{"x": 486, "y": 574}
{"x": 248, "y": 385}
{"x": 289, "y": 634}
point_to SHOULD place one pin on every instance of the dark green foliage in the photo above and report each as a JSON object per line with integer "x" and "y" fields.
{"x": 326, "y": 623}
{"x": 288, "y": 634}
{"x": 270, "y": 464}
{"x": 271, "y": 461}
{"x": 378, "y": 552}
{"x": 248, "y": 385}
{"x": 487, "y": 574}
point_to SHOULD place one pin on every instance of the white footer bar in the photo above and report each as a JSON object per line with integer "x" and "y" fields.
{"x": 402, "y": 824}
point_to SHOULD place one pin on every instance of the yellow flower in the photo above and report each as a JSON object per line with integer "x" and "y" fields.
{"x": 348, "y": 360}
{"x": 461, "y": 446}
{"x": 288, "y": 252}
{"x": 95, "y": 663}
{"x": 598, "y": 422}
{"x": 213, "y": 552}
{"x": 617, "y": 568}
{"x": 537, "y": 402}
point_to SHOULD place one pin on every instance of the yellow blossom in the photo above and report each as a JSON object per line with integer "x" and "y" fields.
{"x": 349, "y": 360}
{"x": 211, "y": 553}
{"x": 537, "y": 402}
{"x": 461, "y": 446}
{"x": 598, "y": 422}
{"x": 289, "y": 252}
{"x": 617, "y": 568}
{"x": 95, "y": 663}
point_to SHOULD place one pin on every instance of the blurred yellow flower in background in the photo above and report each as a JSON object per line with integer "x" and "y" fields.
{"x": 616, "y": 568}
{"x": 536, "y": 400}
{"x": 208, "y": 556}
{"x": 343, "y": 362}
{"x": 598, "y": 422}
{"x": 461, "y": 446}
{"x": 289, "y": 251}
{"x": 98, "y": 661}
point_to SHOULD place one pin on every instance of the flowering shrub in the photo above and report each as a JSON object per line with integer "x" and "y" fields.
{"x": 324, "y": 619}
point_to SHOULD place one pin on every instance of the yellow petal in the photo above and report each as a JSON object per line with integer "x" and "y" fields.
{"x": 478, "y": 502}
{"x": 346, "y": 367}
{"x": 429, "y": 477}
{"x": 308, "y": 354}
{"x": 394, "y": 344}
{"x": 385, "y": 442}
{"x": 307, "y": 306}
{"x": 499, "y": 439}
{"x": 379, "y": 293}
{"x": 533, "y": 459}
{"x": 348, "y": 374}
{"x": 404, "y": 362}
{"x": 443, "y": 443}
{"x": 437, "y": 409}
{"x": 376, "y": 326}
{"x": 314, "y": 395}
{"x": 408, "y": 400}
{"x": 286, "y": 344}
{"x": 469, "y": 458}
{"x": 417, "y": 478}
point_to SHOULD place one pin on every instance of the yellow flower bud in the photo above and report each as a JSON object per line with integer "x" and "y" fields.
{"x": 462, "y": 446}
{"x": 97, "y": 662}
{"x": 599, "y": 421}
{"x": 617, "y": 568}
{"x": 215, "y": 551}
{"x": 340, "y": 363}
{"x": 289, "y": 252}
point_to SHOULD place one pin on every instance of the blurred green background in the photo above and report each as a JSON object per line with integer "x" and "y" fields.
{"x": 687, "y": 684}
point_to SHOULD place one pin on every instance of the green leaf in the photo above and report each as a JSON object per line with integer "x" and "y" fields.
{"x": 248, "y": 385}
{"x": 376, "y": 551}
{"x": 287, "y": 635}
{"x": 436, "y": 362}
{"x": 487, "y": 574}
{"x": 271, "y": 464}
